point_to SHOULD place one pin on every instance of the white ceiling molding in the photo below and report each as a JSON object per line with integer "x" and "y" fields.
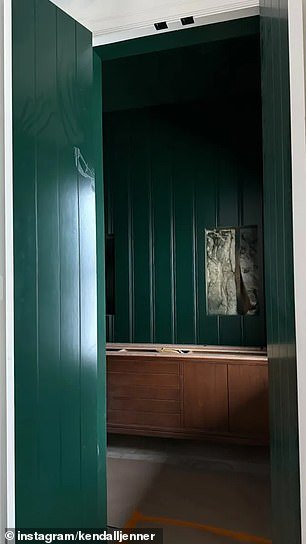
{"x": 127, "y": 19}
{"x": 128, "y": 33}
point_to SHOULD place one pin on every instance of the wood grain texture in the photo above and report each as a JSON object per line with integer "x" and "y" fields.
{"x": 205, "y": 397}
{"x": 164, "y": 406}
{"x": 248, "y": 400}
{"x": 141, "y": 420}
{"x": 132, "y": 379}
{"x": 145, "y": 398}
{"x": 189, "y": 434}
{"x": 128, "y": 364}
{"x": 160, "y": 392}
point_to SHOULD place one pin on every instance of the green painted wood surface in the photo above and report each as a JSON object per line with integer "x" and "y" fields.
{"x": 221, "y": 68}
{"x": 60, "y": 412}
{"x": 279, "y": 273}
{"x": 171, "y": 172}
{"x": 101, "y": 302}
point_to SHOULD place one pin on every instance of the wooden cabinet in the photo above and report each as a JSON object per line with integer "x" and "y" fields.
{"x": 248, "y": 400}
{"x": 143, "y": 394}
{"x": 205, "y": 388}
{"x": 219, "y": 394}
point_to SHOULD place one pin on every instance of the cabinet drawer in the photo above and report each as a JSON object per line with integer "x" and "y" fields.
{"x": 143, "y": 419}
{"x": 142, "y": 365}
{"x": 144, "y": 405}
{"x": 143, "y": 392}
{"x": 133, "y": 379}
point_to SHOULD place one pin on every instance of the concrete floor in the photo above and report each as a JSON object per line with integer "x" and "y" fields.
{"x": 224, "y": 487}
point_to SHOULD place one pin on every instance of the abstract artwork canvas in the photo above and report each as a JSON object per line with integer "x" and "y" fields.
{"x": 232, "y": 272}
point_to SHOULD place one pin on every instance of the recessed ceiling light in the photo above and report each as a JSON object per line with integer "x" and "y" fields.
{"x": 161, "y": 26}
{"x": 187, "y": 21}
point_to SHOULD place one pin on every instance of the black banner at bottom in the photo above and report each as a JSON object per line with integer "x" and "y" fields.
{"x": 50, "y": 536}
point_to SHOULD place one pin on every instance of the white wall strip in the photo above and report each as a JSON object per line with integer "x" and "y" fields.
{"x": 3, "y": 474}
{"x": 9, "y": 260}
{"x": 298, "y": 128}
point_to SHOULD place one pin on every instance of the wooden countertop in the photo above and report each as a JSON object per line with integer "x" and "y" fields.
{"x": 209, "y": 353}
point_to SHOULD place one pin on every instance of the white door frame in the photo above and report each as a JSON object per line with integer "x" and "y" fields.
{"x": 7, "y": 426}
{"x": 298, "y": 126}
{"x": 297, "y": 49}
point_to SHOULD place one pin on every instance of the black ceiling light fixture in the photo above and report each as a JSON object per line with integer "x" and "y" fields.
{"x": 187, "y": 21}
{"x": 161, "y": 26}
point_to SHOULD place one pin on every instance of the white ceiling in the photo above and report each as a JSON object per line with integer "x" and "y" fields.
{"x": 121, "y": 19}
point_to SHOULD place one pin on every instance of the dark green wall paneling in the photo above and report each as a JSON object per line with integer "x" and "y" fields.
{"x": 221, "y": 69}
{"x": 171, "y": 172}
{"x": 279, "y": 272}
{"x": 101, "y": 302}
{"x": 60, "y": 447}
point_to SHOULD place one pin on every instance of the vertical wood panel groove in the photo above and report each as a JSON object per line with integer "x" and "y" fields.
{"x": 173, "y": 263}
{"x": 217, "y": 224}
{"x": 195, "y": 266}
{"x": 181, "y": 184}
{"x": 279, "y": 272}
{"x": 36, "y": 244}
{"x": 80, "y": 403}
{"x": 151, "y": 253}
{"x": 131, "y": 255}
{"x": 58, "y": 467}
{"x": 59, "y": 228}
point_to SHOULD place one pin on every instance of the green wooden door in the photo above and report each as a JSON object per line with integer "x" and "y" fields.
{"x": 279, "y": 273}
{"x": 59, "y": 373}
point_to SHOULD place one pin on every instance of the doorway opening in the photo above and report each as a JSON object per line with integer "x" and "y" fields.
{"x": 187, "y": 367}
